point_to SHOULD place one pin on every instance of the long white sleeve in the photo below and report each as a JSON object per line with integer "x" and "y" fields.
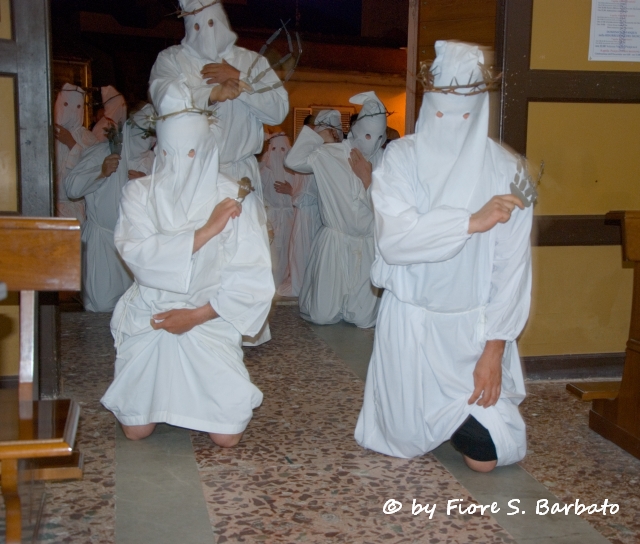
{"x": 298, "y": 158}
{"x": 405, "y": 235}
{"x": 246, "y": 290}
{"x": 158, "y": 261}
{"x": 83, "y": 178}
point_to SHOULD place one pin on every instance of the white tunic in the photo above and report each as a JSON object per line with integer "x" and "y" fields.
{"x": 197, "y": 379}
{"x": 238, "y": 127}
{"x": 446, "y": 294}
{"x": 280, "y": 215}
{"x": 306, "y": 223}
{"x": 104, "y": 276}
{"x": 336, "y": 283}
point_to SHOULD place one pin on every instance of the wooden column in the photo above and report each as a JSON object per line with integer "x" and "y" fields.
{"x": 412, "y": 66}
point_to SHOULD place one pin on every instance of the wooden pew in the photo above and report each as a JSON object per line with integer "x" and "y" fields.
{"x": 35, "y": 255}
{"x": 615, "y": 410}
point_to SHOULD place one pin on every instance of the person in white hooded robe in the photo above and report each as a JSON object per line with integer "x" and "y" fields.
{"x": 203, "y": 279}
{"x": 336, "y": 283}
{"x": 72, "y": 139}
{"x": 278, "y": 205}
{"x": 453, "y": 255}
{"x": 115, "y": 112}
{"x": 215, "y": 73}
{"x": 99, "y": 178}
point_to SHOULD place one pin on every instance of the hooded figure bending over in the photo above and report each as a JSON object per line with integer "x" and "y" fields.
{"x": 336, "y": 283}
{"x": 208, "y": 71}
{"x": 453, "y": 255}
{"x": 202, "y": 280}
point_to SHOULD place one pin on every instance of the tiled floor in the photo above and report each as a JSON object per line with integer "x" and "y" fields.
{"x": 298, "y": 476}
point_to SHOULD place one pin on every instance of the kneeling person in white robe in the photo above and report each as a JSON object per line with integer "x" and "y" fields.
{"x": 336, "y": 283}
{"x": 457, "y": 284}
{"x": 203, "y": 279}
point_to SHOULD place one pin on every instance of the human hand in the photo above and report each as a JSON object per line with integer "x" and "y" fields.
{"x": 109, "y": 165}
{"x": 219, "y": 72}
{"x": 229, "y": 90}
{"x": 487, "y": 375}
{"x": 225, "y": 210}
{"x": 283, "y": 187}
{"x": 361, "y": 167}
{"x": 135, "y": 174}
{"x": 497, "y": 210}
{"x": 64, "y": 136}
{"x": 328, "y": 135}
{"x": 182, "y": 320}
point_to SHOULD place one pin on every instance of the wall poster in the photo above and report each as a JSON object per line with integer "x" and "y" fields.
{"x": 615, "y": 30}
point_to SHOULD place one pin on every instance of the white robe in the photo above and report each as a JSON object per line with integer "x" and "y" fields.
{"x": 197, "y": 379}
{"x": 280, "y": 215}
{"x": 446, "y": 294}
{"x": 66, "y": 160}
{"x": 336, "y": 283}
{"x": 104, "y": 276}
{"x": 306, "y": 223}
{"x": 238, "y": 128}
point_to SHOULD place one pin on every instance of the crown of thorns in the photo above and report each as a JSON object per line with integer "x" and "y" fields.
{"x": 182, "y": 13}
{"x": 488, "y": 83}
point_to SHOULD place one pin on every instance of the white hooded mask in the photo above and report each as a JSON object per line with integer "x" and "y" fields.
{"x": 138, "y": 143}
{"x": 329, "y": 119}
{"x": 207, "y": 32}
{"x": 185, "y": 177}
{"x": 452, "y": 130}
{"x": 115, "y": 112}
{"x": 369, "y": 132}
{"x": 277, "y": 148}
{"x": 69, "y": 107}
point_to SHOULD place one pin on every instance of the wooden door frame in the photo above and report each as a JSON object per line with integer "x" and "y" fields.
{"x": 522, "y": 85}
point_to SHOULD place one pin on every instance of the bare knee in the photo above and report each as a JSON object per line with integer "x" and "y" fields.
{"x": 480, "y": 466}
{"x": 138, "y": 432}
{"x": 225, "y": 440}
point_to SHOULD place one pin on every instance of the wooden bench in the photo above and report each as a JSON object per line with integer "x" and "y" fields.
{"x": 615, "y": 410}
{"x": 35, "y": 255}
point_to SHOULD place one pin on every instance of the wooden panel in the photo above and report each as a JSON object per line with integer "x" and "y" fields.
{"x": 443, "y": 10}
{"x": 8, "y": 146}
{"x": 41, "y": 254}
{"x": 5, "y": 20}
{"x": 480, "y": 31}
{"x": 574, "y": 230}
{"x": 594, "y": 390}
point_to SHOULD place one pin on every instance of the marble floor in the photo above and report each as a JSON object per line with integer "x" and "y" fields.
{"x": 298, "y": 475}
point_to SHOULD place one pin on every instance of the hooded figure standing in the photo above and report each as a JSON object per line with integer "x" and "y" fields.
{"x": 99, "y": 178}
{"x": 203, "y": 279}
{"x": 453, "y": 255}
{"x": 72, "y": 139}
{"x": 336, "y": 283}
{"x": 208, "y": 71}
{"x": 115, "y": 112}
{"x": 278, "y": 205}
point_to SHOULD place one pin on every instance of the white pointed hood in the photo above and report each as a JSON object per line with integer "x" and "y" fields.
{"x": 329, "y": 119}
{"x": 69, "y": 107}
{"x": 207, "y": 33}
{"x": 138, "y": 143}
{"x": 115, "y": 112}
{"x": 452, "y": 130}
{"x": 369, "y": 132}
{"x": 184, "y": 184}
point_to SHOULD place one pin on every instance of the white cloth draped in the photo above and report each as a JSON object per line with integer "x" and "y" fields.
{"x": 104, "y": 276}
{"x": 197, "y": 379}
{"x": 69, "y": 113}
{"x": 176, "y": 84}
{"x": 306, "y": 223}
{"x": 446, "y": 294}
{"x": 336, "y": 283}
